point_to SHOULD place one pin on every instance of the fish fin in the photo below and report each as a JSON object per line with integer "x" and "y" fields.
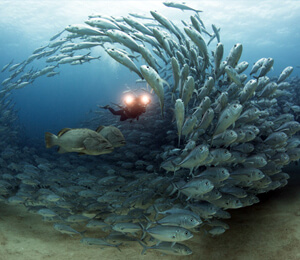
{"x": 63, "y": 131}
{"x": 145, "y": 248}
{"x": 117, "y": 246}
{"x": 188, "y": 198}
{"x": 175, "y": 188}
{"x": 158, "y": 242}
{"x": 50, "y": 139}
{"x": 99, "y": 128}
{"x": 143, "y": 229}
{"x": 82, "y": 233}
{"x": 156, "y": 210}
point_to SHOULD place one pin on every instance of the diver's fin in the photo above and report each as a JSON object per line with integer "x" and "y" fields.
{"x": 105, "y": 107}
{"x": 62, "y": 131}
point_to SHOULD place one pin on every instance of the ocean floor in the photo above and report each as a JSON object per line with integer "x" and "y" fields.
{"x": 267, "y": 230}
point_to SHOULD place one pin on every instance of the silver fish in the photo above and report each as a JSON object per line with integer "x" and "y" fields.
{"x": 124, "y": 60}
{"x": 181, "y": 6}
{"x": 228, "y": 117}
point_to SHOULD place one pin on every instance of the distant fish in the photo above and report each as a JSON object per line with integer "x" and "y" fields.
{"x": 124, "y": 60}
{"x": 141, "y": 16}
{"x": 102, "y": 23}
{"x": 39, "y": 49}
{"x": 80, "y": 140}
{"x": 284, "y": 74}
{"x": 181, "y": 6}
{"x": 179, "y": 115}
{"x": 83, "y": 29}
{"x": 65, "y": 229}
{"x": 257, "y": 65}
{"x": 234, "y": 55}
{"x": 168, "y": 248}
{"x": 155, "y": 82}
{"x": 216, "y": 32}
{"x": 123, "y": 38}
{"x": 56, "y": 35}
{"x": 7, "y": 65}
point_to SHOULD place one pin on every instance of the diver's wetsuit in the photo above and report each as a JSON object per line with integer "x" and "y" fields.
{"x": 125, "y": 113}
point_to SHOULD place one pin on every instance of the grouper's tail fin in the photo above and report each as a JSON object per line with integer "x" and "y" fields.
{"x": 50, "y": 139}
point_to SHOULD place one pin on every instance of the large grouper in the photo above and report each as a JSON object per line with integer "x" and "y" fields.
{"x": 80, "y": 140}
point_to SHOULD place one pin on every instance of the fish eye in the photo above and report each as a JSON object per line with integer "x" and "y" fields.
{"x": 223, "y": 171}
{"x": 192, "y": 220}
{"x": 186, "y": 232}
{"x": 173, "y": 236}
{"x": 235, "y": 45}
{"x": 234, "y": 106}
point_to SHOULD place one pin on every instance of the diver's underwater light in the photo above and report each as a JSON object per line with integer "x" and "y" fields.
{"x": 145, "y": 99}
{"x": 128, "y": 99}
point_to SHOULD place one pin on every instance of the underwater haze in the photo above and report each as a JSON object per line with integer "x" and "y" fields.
{"x": 265, "y": 28}
{"x": 207, "y": 167}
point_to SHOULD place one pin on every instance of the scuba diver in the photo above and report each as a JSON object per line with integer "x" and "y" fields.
{"x": 135, "y": 106}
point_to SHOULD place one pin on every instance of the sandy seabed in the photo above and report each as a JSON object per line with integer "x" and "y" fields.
{"x": 267, "y": 230}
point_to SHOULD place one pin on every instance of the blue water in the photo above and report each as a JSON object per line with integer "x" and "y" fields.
{"x": 265, "y": 28}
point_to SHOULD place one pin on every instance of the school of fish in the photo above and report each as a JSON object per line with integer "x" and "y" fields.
{"x": 216, "y": 139}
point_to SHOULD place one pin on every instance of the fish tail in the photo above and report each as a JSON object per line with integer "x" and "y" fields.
{"x": 145, "y": 248}
{"x": 50, "y": 139}
{"x": 82, "y": 233}
{"x": 118, "y": 246}
{"x": 156, "y": 210}
{"x": 175, "y": 188}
